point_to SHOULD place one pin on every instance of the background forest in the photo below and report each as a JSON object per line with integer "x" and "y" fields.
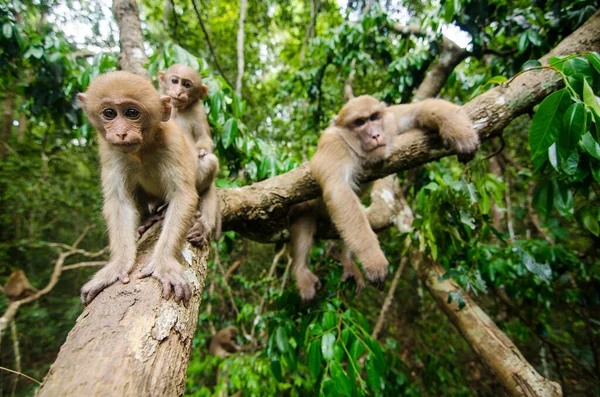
{"x": 517, "y": 228}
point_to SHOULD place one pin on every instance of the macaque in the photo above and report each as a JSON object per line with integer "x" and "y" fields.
{"x": 18, "y": 287}
{"x": 363, "y": 133}
{"x": 223, "y": 343}
{"x": 145, "y": 160}
{"x": 184, "y": 85}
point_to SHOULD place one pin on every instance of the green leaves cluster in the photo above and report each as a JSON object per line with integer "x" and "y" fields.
{"x": 564, "y": 136}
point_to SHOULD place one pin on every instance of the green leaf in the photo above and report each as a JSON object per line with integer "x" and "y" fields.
{"x": 33, "y": 51}
{"x": 327, "y": 342}
{"x": 281, "y": 339}
{"x": 589, "y": 98}
{"x": 569, "y": 166}
{"x": 594, "y": 59}
{"x": 340, "y": 378}
{"x": 534, "y": 37}
{"x": 545, "y": 125}
{"x": 522, "y": 42}
{"x": 541, "y": 270}
{"x": 578, "y": 65}
{"x": 531, "y": 64}
{"x": 229, "y": 132}
{"x": 589, "y": 220}
{"x": 595, "y": 167}
{"x": 373, "y": 375}
{"x": 563, "y": 198}
{"x": 497, "y": 80}
{"x": 589, "y": 144}
{"x": 314, "y": 358}
{"x": 543, "y": 198}
{"x": 7, "y": 30}
{"x": 329, "y": 319}
{"x": 574, "y": 125}
{"x": 276, "y": 368}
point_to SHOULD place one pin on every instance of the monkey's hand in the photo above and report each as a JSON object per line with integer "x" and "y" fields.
{"x": 108, "y": 275}
{"x": 376, "y": 268}
{"x": 458, "y": 134}
{"x": 202, "y": 153}
{"x": 171, "y": 275}
{"x": 354, "y": 272}
{"x": 308, "y": 284}
{"x": 199, "y": 234}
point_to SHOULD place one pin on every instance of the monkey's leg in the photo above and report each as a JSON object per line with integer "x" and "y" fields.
{"x": 207, "y": 219}
{"x": 121, "y": 218}
{"x": 208, "y": 167}
{"x": 351, "y": 270}
{"x": 163, "y": 264}
{"x": 301, "y": 236}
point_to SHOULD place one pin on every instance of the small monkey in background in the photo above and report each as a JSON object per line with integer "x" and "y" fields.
{"x": 223, "y": 343}
{"x": 145, "y": 160}
{"x": 184, "y": 85}
{"x": 363, "y": 133}
{"x": 18, "y": 287}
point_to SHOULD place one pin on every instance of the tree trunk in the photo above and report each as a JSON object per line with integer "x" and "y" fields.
{"x": 130, "y": 341}
{"x": 132, "y": 57}
{"x": 240, "y": 47}
{"x": 8, "y": 110}
{"x": 488, "y": 342}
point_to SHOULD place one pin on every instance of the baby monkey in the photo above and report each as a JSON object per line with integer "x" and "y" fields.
{"x": 184, "y": 85}
{"x": 363, "y": 133}
{"x": 145, "y": 160}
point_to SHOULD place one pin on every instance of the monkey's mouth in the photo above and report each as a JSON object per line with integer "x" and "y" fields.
{"x": 126, "y": 147}
{"x": 178, "y": 102}
{"x": 379, "y": 146}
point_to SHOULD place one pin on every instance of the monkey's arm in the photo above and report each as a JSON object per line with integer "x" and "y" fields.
{"x": 122, "y": 221}
{"x": 333, "y": 167}
{"x": 453, "y": 124}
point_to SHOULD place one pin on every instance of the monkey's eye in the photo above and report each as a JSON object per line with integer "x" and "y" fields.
{"x": 374, "y": 116}
{"x": 132, "y": 113}
{"x": 359, "y": 122}
{"x": 174, "y": 81}
{"x": 187, "y": 84}
{"x": 109, "y": 113}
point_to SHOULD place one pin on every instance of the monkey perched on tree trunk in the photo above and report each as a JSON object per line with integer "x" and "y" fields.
{"x": 363, "y": 134}
{"x": 145, "y": 159}
{"x": 184, "y": 85}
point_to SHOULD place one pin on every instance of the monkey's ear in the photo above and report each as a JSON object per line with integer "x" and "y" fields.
{"x": 165, "y": 102}
{"x": 161, "y": 79}
{"x": 81, "y": 98}
{"x": 203, "y": 91}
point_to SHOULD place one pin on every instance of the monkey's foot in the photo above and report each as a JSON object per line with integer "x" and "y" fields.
{"x": 308, "y": 284}
{"x": 102, "y": 279}
{"x": 377, "y": 270}
{"x": 355, "y": 273}
{"x": 172, "y": 277}
{"x": 199, "y": 234}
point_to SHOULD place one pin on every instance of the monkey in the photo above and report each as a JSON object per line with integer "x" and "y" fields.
{"x": 145, "y": 159}
{"x": 364, "y": 133}
{"x": 184, "y": 85}
{"x": 223, "y": 343}
{"x": 18, "y": 287}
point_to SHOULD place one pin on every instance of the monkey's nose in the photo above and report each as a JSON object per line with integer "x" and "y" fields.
{"x": 122, "y": 135}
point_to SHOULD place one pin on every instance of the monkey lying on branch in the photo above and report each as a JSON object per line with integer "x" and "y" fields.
{"x": 361, "y": 135}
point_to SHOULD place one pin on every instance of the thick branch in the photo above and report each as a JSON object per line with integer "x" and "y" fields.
{"x": 260, "y": 210}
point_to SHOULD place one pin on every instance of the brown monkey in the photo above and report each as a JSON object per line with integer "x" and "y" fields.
{"x": 184, "y": 85}
{"x": 223, "y": 343}
{"x": 17, "y": 286}
{"x": 363, "y": 133}
{"x": 145, "y": 158}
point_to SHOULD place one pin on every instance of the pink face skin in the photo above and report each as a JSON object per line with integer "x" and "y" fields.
{"x": 183, "y": 84}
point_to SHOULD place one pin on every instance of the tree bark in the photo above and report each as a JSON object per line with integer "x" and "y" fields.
{"x": 240, "y": 47}
{"x": 132, "y": 57}
{"x": 488, "y": 342}
{"x": 259, "y": 211}
{"x": 130, "y": 341}
{"x": 8, "y": 111}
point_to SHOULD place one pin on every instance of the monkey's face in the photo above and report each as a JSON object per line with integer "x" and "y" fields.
{"x": 122, "y": 124}
{"x": 362, "y": 118}
{"x": 183, "y": 86}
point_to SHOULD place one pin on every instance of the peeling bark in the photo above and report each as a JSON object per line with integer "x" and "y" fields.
{"x": 259, "y": 211}
{"x": 132, "y": 57}
{"x": 130, "y": 341}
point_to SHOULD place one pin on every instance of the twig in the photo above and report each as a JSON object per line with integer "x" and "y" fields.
{"x": 264, "y": 297}
{"x": 387, "y": 303}
{"x": 22, "y": 374}
{"x": 238, "y": 261}
{"x": 17, "y": 353}
{"x": 227, "y": 287}
{"x": 84, "y": 264}
{"x": 535, "y": 219}
{"x": 286, "y": 272}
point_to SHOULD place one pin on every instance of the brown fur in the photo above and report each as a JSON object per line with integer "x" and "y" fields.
{"x": 17, "y": 286}
{"x": 156, "y": 165}
{"x": 223, "y": 343}
{"x": 184, "y": 85}
{"x": 363, "y": 133}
